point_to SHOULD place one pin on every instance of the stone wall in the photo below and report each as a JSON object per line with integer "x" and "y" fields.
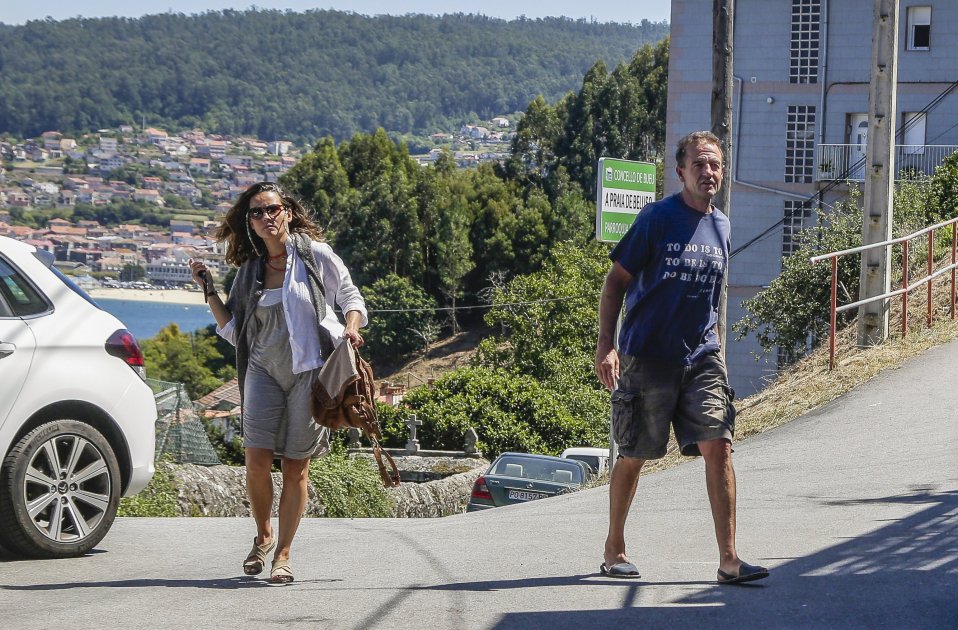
{"x": 221, "y": 490}
{"x": 434, "y": 498}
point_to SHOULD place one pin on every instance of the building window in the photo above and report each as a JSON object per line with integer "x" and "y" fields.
{"x": 804, "y": 50}
{"x": 800, "y": 144}
{"x": 919, "y": 28}
{"x": 913, "y": 128}
{"x": 798, "y": 216}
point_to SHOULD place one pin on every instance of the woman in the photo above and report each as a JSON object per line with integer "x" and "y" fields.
{"x": 280, "y": 317}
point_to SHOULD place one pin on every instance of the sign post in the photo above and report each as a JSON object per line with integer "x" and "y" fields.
{"x": 623, "y": 189}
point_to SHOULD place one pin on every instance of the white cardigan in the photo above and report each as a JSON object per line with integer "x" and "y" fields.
{"x": 298, "y": 306}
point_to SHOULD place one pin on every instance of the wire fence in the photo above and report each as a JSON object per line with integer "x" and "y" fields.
{"x": 180, "y": 433}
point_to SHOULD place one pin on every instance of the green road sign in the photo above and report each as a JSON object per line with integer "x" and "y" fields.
{"x": 624, "y": 188}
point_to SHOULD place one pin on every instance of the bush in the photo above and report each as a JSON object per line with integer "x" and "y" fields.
{"x": 794, "y": 309}
{"x": 510, "y": 412}
{"x": 157, "y": 499}
{"x": 349, "y": 488}
{"x": 944, "y": 189}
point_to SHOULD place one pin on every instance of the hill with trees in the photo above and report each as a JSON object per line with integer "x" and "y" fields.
{"x": 296, "y": 76}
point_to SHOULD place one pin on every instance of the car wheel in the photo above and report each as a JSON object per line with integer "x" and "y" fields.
{"x": 60, "y": 491}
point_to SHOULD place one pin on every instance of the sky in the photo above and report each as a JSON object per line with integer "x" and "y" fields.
{"x": 20, "y": 11}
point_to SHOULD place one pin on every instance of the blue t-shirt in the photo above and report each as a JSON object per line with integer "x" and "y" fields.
{"x": 677, "y": 257}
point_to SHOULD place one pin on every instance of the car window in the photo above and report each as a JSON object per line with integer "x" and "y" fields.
{"x": 539, "y": 469}
{"x": 591, "y": 460}
{"x": 19, "y": 295}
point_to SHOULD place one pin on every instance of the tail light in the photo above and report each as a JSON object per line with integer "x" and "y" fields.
{"x": 480, "y": 490}
{"x": 122, "y": 344}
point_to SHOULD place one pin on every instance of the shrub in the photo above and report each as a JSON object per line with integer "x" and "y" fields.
{"x": 157, "y": 499}
{"x": 510, "y": 412}
{"x": 944, "y": 189}
{"x": 349, "y": 488}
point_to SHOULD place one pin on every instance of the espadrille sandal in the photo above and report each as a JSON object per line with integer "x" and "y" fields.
{"x": 281, "y": 572}
{"x": 256, "y": 560}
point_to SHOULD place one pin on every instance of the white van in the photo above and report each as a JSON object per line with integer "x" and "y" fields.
{"x": 596, "y": 458}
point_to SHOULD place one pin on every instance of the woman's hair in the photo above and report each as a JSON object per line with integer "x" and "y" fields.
{"x": 242, "y": 243}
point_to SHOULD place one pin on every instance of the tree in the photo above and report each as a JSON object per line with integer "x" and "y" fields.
{"x": 405, "y": 308}
{"x": 130, "y": 273}
{"x": 792, "y": 313}
{"x": 174, "y": 356}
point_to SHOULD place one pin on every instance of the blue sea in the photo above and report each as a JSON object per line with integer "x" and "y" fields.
{"x": 145, "y": 319}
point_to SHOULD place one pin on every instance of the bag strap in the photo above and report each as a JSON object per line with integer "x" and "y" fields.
{"x": 390, "y": 478}
{"x": 316, "y": 291}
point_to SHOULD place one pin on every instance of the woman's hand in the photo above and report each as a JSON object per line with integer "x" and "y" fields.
{"x": 353, "y": 337}
{"x": 200, "y": 273}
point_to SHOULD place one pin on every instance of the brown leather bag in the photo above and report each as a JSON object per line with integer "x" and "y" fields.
{"x": 351, "y": 403}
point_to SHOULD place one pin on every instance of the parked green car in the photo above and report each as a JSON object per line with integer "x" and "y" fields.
{"x": 520, "y": 477}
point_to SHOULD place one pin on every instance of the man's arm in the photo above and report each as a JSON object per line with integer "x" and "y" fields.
{"x": 610, "y": 305}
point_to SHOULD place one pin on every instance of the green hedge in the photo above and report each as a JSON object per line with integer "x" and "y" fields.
{"x": 510, "y": 412}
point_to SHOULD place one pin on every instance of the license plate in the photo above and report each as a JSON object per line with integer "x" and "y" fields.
{"x": 522, "y": 495}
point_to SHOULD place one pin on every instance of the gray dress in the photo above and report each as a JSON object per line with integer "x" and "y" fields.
{"x": 276, "y": 409}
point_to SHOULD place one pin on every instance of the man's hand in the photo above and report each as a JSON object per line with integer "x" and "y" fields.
{"x": 607, "y": 366}
{"x": 610, "y": 303}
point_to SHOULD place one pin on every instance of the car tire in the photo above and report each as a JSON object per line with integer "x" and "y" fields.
{"x": 59, "y": 492}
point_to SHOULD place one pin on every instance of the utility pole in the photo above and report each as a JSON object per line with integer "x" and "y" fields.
{"x": 723, "y": 36}
{"x": 875, "y": 278}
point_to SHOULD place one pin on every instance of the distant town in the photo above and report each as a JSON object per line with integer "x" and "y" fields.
{"x": 194, "y": 177}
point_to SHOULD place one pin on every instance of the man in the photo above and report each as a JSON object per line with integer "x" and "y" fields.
{"x": 669, "y": 267}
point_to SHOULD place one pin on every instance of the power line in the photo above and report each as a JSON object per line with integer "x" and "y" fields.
{"x": 851, "y": 167}
{"x": 465, "y": 308}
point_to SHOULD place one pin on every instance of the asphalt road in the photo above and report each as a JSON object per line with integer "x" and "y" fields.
{"x": 854, "y": 507}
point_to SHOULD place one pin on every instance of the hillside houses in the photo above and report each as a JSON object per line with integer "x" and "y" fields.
{"x": 183, "y": 165}
{"x": 162, "y": 254}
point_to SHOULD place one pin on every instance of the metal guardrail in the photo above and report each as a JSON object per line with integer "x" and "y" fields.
{"x": 847, "y": 161}
{"x": 906, "y": 287}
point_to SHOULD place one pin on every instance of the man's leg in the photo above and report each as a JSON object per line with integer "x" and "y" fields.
{"x": 622, "y": 485}
{"x": 720, "y": 481}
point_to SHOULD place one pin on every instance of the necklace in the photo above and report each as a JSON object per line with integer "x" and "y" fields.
{"x": 270, "y": 259}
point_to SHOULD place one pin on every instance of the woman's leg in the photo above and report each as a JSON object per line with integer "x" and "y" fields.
{"x": 259, "y": 486}
{"x": 292, "y": 503}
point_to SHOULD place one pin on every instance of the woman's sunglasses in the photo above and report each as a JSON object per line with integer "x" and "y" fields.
{"x": 271, "y": 211}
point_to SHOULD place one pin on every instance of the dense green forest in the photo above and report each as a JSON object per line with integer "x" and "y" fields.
{"x": 297, "y": 76}
{"x": 451, "y": 233}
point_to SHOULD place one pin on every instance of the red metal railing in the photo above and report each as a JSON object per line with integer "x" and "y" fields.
{"x": 928, "y": 279}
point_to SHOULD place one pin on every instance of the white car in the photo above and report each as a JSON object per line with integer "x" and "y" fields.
{"x": 596, "y": 458}
{"x": 77, "y": 419}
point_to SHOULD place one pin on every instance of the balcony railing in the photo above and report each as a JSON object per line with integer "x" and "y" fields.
{"x": 847, "y": 161}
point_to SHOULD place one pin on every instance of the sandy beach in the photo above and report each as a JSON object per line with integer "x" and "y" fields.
{"x": 169, "y": 296}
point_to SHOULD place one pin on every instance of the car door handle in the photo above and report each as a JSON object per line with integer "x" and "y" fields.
{"x": 6, "y": 349}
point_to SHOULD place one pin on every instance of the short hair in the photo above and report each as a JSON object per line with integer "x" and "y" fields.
{"x": 694, "y": 139}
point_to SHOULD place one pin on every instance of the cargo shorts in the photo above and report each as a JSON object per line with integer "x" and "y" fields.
{"x": 695, "y": 400}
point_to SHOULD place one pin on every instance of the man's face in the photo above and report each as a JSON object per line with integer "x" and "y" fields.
{"x": 701, "y": 175}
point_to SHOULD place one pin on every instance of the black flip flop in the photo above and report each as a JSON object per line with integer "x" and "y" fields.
{"x": 623, "y": 570}
{"x": 746, "y": 573}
